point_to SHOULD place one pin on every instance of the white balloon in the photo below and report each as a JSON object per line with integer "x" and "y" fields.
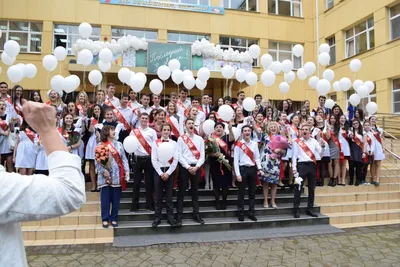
{"x": 249, "y": 104}
{"x": 284, "y": 87}
{"x": 357, "y": 83}
{"x": 106, "y": 55}
{"x": 345, "y": 84}
{"x": 124, "y": 75}
{"x": 15, "y": 73}
{"x": 30, "y": 71}
{"x": 298, "y": 50}
{"x": 287, "y": 66}
{"x": 301, "y": 74}
{"x": 254, "y": 51}
{"x": 156, "y": 86}
{"x": 136, "y": 83}
{"x": 324, "y": 59}
{"x": 236, "y": 133}
{"x": 60, "y": 53}
{"x": 251, "y": 78}
{"x": 289, "y": 77}
{"x": 208, "y": 126}
{"x": 104, "y": 67}
{"x": 241, "y": 75}
{"x": 323, "y": 87}
{"x": 188, "y": 73}
{"x": 174, "y": 64}
{"x": 228, "y": 72}
{"x": 354, "y": 99}
{"x": 313, "y": 82}
{"x": 225, "y": 112}
{"x": 324, "y": 48}
{"x": 131, "y": 144}
{"x": 355, "y": 65}
{"x": 85, "y": 57}
{"x": 12, "y": 48}
{"x": 309, "y": 68}
{"x": 268, "y": 78}
{"x": 23, "y": 68}
{"x": 189, "y": 82}
{"x": 336, "y": 86}
{"x": 371, "y": 108}
{"x": 50, "y": 62}
{"x": 95, "y": 77}
{"x": 200, "y": 84}
{"x": 57, "y": 83}
{"x": 7, "y": 60}
{"x": 177, "y": 76}
{"x": 85, "y": 30}
{"x": 328, "y": 75}
{"x": 276, "y": 67}
{"x": 142, "y": 76}
{"x": 165, "y": 151}
{"x": 163, "y": 72}
{"x": 71, "y": 83}
{"x": 203, "y": 74}
{"x": 266, "y": 60}
{"x": 370, "y": 85}
{"x": 362, "y": 91}
{"x": 329, "y": 103}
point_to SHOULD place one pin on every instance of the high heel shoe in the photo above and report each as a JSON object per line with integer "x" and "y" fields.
{"x": 333, "y": 183}
{"x": 330, "y": 182}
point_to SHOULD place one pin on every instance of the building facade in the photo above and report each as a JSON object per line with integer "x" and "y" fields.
{"x": 364, "y": 29}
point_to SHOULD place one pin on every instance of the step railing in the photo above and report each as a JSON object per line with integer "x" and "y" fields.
{"x": 391, "y": 172}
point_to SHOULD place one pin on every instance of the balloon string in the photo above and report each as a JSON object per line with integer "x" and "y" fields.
{"x": 165, "y": 89}
{"x": 48, "y": 77}
{"x": 84, "y": 78}
{"x": 94, "y": 94}
{"x": 226, "y": 87}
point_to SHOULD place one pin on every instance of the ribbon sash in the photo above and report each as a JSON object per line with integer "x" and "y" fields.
{"x": 19, "y": 110}
{"x": 218, "y": 117}
{"x": 118, "y": 114}
{"x": 191, "y": 146}
{"x": 344, "y": 133}
{"x": 246, "y": 150}
{"x": 64, "y": 135}
{"x": 369, "y": 140}
{"x": 377, "y": 136}
{"x": 295, "y": 129}
{"x": 337, "y": 143}
{"x": 174, "y": 129}
{"x": 309, "y": 153}
{"x": 158, "y": 141}
{"x": 142, "y": 140}
{"x": 222, "y": 144}
{"x": 118, "y": 159}
{"x": 181, "y": 105}
{"x": 79, "y": 107}
{"x": 358, "y": 142}
{"x": 30, "y": 134}
{"x": 3, "y": 124}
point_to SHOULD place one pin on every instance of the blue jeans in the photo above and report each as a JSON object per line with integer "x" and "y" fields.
{"x": 109, "y": 196}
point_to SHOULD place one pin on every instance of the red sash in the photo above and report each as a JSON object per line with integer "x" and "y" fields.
{"x": 30, "y": 134}
{"x": 175, "y": 131}
{"x": 309, "y": 153}
{"x": 79, "y": 107}
{"x": 48, "y": 103}
{"x": 3, "y": 125}
{"x": 344, "y": 133}
{"x": 94, "y": 121}
{"x": 358, "y": 142}
{"x": 191, "y": 146}
{"x": 222, "y": 144}
{"x": 258, "y": 127}
{"x": 118, "y": 159}
{"x": 142, "y": 141}
{"x": 19, "y": 111}
{"x": 377, "y": 136}
{"x": 118, "y": 114}
{"x": 218, "y": 117}
{"x": 65, "y": 135}
{"x": 369, "y": 140}
{"x": 295, "y": 129}
{"x": 246, "y": 150}
{"x": 158, "y": 141}
{"x": 337, "y": 143}
{"x": 181, "y": 105}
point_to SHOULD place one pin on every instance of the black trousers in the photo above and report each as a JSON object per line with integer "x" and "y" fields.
{"x": 248, "y": 179}
{"x": 143, "y": 164}
{"x": 184, "y": 176}
{"x": 307, "y": 170}
{"x": 358, "y": 166}
{"x": 163, "y": 188}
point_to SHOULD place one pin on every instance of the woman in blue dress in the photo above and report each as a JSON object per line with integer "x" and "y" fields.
{"x": 270, "y": 166}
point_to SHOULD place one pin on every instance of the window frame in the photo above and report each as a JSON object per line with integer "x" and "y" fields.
{"x": 186, "y": 33}
{"x": 247, "y": 6}
{"x": 332, "y": 48}
{"x": 390, "y": 22}
{"x": 133, "y": 29}
{"x": 397, "y": 90}
{"x": 353, "y": 91}
{"x": 292, "y": 2}
{"x": 327, "y": 4}
{"x": 235, "y": 47}
{"x": 180, "y": 2}
{"x": 29, "y": 32}
{"x": 278, "y": 50}
{"x": 367, "y": 30}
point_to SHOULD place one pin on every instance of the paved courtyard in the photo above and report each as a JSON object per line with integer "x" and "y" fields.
{"x": 369, "y": 246}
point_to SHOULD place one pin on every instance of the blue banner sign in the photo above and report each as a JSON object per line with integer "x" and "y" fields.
{"x": 167, "y": 5}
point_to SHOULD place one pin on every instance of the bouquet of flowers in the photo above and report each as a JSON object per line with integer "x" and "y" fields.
{"x": 213, "y": 149}
{"x": 73, "y": 138}
{"x": 103, "y": 158}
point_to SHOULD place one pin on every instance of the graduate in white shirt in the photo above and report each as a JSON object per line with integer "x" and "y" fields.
{"x": 144, "y": 108}
{"x": 164, "y": 176}
{"x": 156, "y": 102}
{"x": 133, "y": 103}
{"x": 304, "y": 164}
{"x": 110, "y": 95}
{"x": 191, "y": 158}
{"x": 124, "y": 116}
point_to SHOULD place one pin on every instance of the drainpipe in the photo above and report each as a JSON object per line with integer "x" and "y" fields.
{"x": 317, "y": 31}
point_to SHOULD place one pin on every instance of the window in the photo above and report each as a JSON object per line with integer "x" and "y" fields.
{"x": 193, "y": 2}
{"x": 177, "y": 37}
{"x": 395, "y": 22}
{"x": 291, "y": 8}
{"x": 246, "y": 5}
{"x": 27, "y": 34}
{"x": 67, "y": 35}
{"x": 239, "y": 44}
{"x": 332, "y": 52}
{"x": 329, "y": 4}
{"x": 281, "y": 51}
{"x": 360, "y": 38}
{"x": 364, "y": 101}
{"x": 150, "y": 35}
{"x": 396, "y": 95}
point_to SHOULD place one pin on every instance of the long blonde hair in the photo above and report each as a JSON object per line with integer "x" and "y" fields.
{"x": 86, "y": 98}
{"x": 58, "y": 101}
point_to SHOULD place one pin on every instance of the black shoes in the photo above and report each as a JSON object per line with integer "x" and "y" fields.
{"x": 178, "y": 221}
{"x": 311, "y": 213}
{"x": 351, "y": 182}
{"x": 330, "y": 182}
{"x": 253, "y": 218}
{"x": 333, "y": 183}
{"x": 296, "y": 213}
{"x": 197, "y": 218}
{"x": 150, "y": 208}
{"x": 357, "y": 183}
{"x": 241, "y": 218}
{"x": 134, "y": 209}
{"x": 156, "y": 223}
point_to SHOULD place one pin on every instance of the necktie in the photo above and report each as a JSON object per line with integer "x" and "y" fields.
{"x": 206, "y": 107}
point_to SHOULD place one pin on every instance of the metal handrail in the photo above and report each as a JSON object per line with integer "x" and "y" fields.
{"x": 390, "y": 135}
{"x": 393, "y": 154}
